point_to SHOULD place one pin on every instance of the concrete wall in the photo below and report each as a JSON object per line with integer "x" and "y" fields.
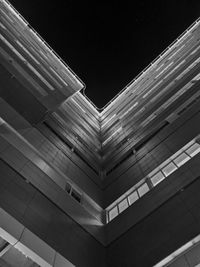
{"x": 42, "y": 217}
{"x": 160, "y": 233}
{"x": 156, "y": 151}
{"x": 191, "y": 258}
{"x": 65, "y": 162}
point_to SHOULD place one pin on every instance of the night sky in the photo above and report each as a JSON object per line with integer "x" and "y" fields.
{"x": 108, "y": 43}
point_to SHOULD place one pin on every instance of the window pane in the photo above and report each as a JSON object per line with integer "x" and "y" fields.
{"x": 143, "y": 189}
{"x": 181, "y": 159}
{"x": 132, "y": 197}
{"x": 123, "y": 205}
{"x": 156, "y": 179}
{"x": 76, "y": 195}
{"x": 167, "y": 170}
{"x": 193, "y": 150}
{"x": 113, "y": 213}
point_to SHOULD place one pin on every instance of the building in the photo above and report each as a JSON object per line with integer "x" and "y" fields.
{"x": 82, "y": 187}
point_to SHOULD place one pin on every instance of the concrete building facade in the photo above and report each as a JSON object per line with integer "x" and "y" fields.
{"x": 116, "y": 187}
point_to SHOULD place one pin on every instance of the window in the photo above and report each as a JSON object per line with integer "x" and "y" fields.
{"x": 132, "y": 197}
{"x": 167, "y": 170}
{"x": 193, "y": 150}
{"x": 76, "y": 195}
{"x": 181, "y": 159}
{"x": 123, "y": 205}
{"x": 143, "y": 189}
{"x": 157, "y": 178}
{"x": 113, "y": 213}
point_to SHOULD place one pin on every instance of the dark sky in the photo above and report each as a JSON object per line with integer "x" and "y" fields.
{"x": 108, "y": 43}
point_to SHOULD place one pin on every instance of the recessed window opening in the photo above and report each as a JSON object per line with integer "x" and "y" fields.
{"x": 156, "y": 176}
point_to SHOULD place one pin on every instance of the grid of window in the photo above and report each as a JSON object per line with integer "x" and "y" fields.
{"x": 128, "y": 201}
{"x": 175, "y": 162}
{"x": 156, "y": 176}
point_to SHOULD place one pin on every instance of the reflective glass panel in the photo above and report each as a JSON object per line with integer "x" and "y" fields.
{"x": 181, "y": 159}
{"x": 113, "y": 213}
{"x": 123, "y": 205}
{"x": 167, "y": 170}
{"x": 157, "y": 178}
{"x": 193, "y": 150}
{"x": 143, "y": 189}
{"x": 132, "y": 197}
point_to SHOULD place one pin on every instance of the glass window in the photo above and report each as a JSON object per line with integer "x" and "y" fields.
{"x": 167, "y": 170}
{"x": 157, "y": 178}
{"x": 181, "y": 159}
{"x": 132, "y": 197}
{"x": 143, "y": 189}
{"x": 76, "y": 195}
{"x": 123, "y": 205}
{"x": 113, "y": 213}
{"x": 193, "y": 150}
